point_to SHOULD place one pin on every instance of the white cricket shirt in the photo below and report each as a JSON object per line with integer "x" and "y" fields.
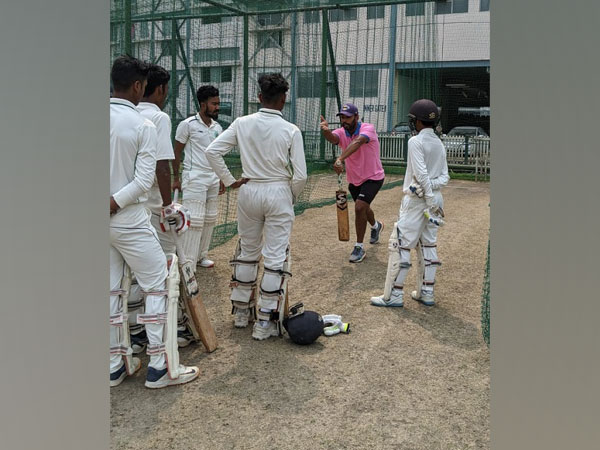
{"x": 426, "y": 161}
{"x": 132, "y": 161}
{"x": 164, "y": 150}
{"x": 271, "y": 149}
{"x": 196, "y": 136}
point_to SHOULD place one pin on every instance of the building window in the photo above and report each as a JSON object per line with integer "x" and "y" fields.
{"x": 340, "y": 15}
{"x": 270, "y": 39}
{"x": 270, "y": 19}
{"x": 165, "y": 48}
{"x": 167, "y": 28}
{"x": 211, "y": 19}
{"x": 312, "y": 16}
{"x": 484, "y": 5}
{"x": 226, "y": 74}
{"x": 309, "y": 84}
{"x": 114, "y": 33}
{"x": 225, "y": 109}
{"x": 376, "y": 12}
{"x": 415, "y": 9}
{"x": 222, "y": 74}
{"x": 364, "y": 83}
{"x": 451, "y": 6}
{"x": 144, "y": 30}
{"x": 216, "y": 54}
{"x": 205, "y": 74}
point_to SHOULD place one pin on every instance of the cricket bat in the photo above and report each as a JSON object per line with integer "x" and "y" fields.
{"x": 341, "y": 203}
{"x": 192, "y": 300}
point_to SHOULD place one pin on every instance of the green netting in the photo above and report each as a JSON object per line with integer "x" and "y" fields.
{"x": 380, "y": 56}
{"x": 485, "y": 301}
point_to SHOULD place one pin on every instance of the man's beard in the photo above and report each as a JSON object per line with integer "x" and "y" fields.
{"x": 214, "y": 115}
{"x": 349, "y": 126}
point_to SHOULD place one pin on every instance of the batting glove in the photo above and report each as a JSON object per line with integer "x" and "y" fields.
{"x": 435, "y": 215}
{"x": 416, "y": 189}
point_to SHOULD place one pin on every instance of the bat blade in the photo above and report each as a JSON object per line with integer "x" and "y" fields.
{"x": 197, "y": 312}
{"x": 341, "y": 203}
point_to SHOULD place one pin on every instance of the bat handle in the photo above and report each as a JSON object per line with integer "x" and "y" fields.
{"x": 178, "y": 246}
{"x": 175, "y": 195}
{"x": 340, "y": 181}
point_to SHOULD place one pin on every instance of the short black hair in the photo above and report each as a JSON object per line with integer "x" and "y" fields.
{"x": 428, "y": 124}
{"x": 205, "y": 92}
{"x": 126, "y": 70}
{"x": 157, "y": 76}
{"x": 272, "y": 85}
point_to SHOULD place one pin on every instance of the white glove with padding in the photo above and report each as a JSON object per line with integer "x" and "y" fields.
{"x": 435, "y": 215}
{"x": 174, "y": 216}
{"x": 415, "y": 188}
{"x": 334, "y": 325}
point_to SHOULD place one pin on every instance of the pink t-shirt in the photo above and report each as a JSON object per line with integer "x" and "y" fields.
{"x": 364, "y": 164}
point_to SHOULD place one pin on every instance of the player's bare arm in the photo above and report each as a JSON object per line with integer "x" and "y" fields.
{"x": 113, "y": 206}
{"x": 353, "y": 147}
{"x": 236, "y": 184}
{"x": 334, "y": 139}
{"x": 177, "y": 149}
{"x": 163, "y": 176}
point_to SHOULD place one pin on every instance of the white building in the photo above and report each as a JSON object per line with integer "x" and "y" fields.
{"x": 385, "y": 57}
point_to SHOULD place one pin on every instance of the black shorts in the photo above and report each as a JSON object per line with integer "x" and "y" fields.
{"x": 366, "y": 191}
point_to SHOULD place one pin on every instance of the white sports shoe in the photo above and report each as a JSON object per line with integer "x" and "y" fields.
{"x": 157, "y": 379}
{"x": 426, "y": 299}
{"x": 206, "y": 263}
{"x": 241, "y": 318}
{"x": 396, "y": 299}
{"x": 261, "y": 333}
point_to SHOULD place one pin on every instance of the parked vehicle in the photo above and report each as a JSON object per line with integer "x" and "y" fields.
{"x": 401, "y": 128}
{"x": 467, "y": 131}
{"x": 455, "y": 140}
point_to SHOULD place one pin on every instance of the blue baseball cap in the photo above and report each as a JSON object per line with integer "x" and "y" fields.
{"x": 348, "y": 110}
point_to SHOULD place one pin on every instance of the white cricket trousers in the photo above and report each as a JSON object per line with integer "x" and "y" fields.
{"x": 137, "y": 244}
{"x": 203, "y": 206}
{"x": 412, "y": 224}
{"x": 265, "y": 216}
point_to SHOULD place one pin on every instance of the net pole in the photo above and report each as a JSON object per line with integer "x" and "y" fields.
{"x": 246, "y": 62}
{"x": 392, "y": 67}
{"x": 127, "y": 31}
{"x": 333, "y": 67}
{"x": 174, "y": 84}
{"x": 293, "y": 67}
{"x": 324, "y": 33}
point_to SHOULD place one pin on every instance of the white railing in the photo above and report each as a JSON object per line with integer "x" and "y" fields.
{"x": 473, "y": 153}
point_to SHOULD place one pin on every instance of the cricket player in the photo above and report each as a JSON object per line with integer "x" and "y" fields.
{"x": 273, "y": 176}
{"x": 420, "y": 212}
{"x": 133, "y": 241}
{"x": 364, "y": 172}
{"x": 199, "y": 182}
{"x": 151, "y": 105}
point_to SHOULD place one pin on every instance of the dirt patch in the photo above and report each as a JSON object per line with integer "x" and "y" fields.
{"x": 404, "y": 378}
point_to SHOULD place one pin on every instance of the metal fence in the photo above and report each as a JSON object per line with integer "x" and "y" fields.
{"x": 463, "y": 153}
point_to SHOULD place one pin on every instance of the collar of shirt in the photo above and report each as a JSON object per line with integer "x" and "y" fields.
{"x": 427, "y": 130}
{"x": 355, "y": 131}
{"x": 122, "y": 101}
{"x": 270, "y": 111}
{"x": 212, "y": 122}
{"x": 148, "y": 105}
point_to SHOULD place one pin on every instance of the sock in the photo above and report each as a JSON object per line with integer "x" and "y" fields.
{"x": 359, "y": 244}
{"x": 376, "y": 226}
